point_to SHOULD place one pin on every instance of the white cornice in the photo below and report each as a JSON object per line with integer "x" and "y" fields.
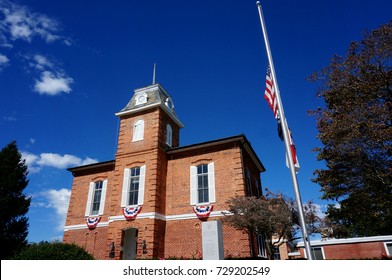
{"x": 84, "y": 226}
{"x": 148, "y": 215}
{"x": 382, "y": 238}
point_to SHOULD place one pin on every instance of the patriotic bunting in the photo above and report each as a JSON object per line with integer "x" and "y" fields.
{"x": 130, "y": 213}
{"x": 204, "y": 211}
{"x": 92, "y": 222}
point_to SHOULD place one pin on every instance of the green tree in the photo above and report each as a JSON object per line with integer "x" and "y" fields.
{"x": 356, "y": 133}
{"x": 53, "y": 251}
{"x": 13, "y": 203}
{"x": 272, "y": 216}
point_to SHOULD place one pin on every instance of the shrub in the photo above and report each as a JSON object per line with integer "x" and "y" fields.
{"x": 53, "y": 251}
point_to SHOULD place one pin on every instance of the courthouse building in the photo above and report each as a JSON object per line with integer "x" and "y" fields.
{"x": 151, "y": 200}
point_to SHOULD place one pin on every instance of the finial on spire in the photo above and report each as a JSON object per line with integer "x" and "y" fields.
{"x": 153, "y": 74}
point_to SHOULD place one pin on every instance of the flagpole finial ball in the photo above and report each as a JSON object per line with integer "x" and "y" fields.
{"x": 258, "y": 3}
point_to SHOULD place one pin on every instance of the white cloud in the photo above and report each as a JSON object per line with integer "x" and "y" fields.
{"x": 53, "y": 83}
{"x": 21, "y": 23}
{"x": 36, "y": 162}
{"x": 58, "y": 200}
{"x": 41, "y": 62}
{"x": 53, "y": 80}
{"x": 319, "y": 210}
{"x": 58, "y": 161}
{"x": 3, "y": 61}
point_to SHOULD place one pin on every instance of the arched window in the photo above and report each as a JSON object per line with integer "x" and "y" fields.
{"x": 138, "y": 130}
{"x": 169, "y": 135}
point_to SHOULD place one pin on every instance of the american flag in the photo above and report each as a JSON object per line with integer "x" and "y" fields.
{"x": 270, "y": 96}
{"x": 269, "y": 93}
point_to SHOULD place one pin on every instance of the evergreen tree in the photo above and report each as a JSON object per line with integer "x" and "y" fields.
{"x": 13, "y": 203}
{"x": 355, "y": 128}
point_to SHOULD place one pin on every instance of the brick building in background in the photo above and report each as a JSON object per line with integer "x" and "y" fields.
{"x": 150, "y": 201}
{"x": 372, "y": 247}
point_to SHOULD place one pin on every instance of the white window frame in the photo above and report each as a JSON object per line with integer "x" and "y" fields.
{"x": 312, "y": 249}
{"x": 90, "y": 198}
{"x": 126, "y": 186}
{"x": 194, "y": 185}
{"x": 169, "y": 135}
{"x": 138, "y": 130}
{"x": 389, "y": 252}
{"x": 261, "y": 250}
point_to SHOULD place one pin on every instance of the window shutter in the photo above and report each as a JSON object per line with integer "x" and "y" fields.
{"x": 193, "y": 183}
{"x": 125, "y": 188}
{"x": 89, "y": 198}
{"x": 211, "y": 182}
{"x": 103, "y": 197}
{"x": 142, "y": 182}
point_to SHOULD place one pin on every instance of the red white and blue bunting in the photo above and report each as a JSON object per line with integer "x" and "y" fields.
{"x": 92, "y": 222}
{"x": 203, "y": 211}
{"x": 130, "y": 213}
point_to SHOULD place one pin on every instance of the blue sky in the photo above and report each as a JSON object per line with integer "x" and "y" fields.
{"x": 67, "y": 66}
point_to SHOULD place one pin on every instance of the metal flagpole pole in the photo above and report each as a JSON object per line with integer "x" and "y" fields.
{"x": 153, "y": 73}
{"x": 286, "y": 138}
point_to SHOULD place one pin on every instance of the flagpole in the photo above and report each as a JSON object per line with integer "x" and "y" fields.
{"x": 286, "y": 138}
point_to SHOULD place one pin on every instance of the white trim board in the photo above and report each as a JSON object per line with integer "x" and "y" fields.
{"x": 148, "y": 215}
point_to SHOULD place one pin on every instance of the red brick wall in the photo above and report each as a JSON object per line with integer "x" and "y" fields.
{"x": 365, "y": 250}
{"x": 354, "y": 251}
{"x": 93, "y": 241}
{"x": 184, "y": 240}
{"x": 229, "y": 179}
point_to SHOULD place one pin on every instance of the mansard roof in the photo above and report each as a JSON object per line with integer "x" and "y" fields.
{"x": 149, "y": 97}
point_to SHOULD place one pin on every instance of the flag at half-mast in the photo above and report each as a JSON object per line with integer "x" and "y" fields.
{"x": 293, "y": 154}
{"x": 270, "y": 96}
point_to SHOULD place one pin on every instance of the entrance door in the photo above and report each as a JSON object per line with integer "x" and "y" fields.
{"x": 130, "y": 244}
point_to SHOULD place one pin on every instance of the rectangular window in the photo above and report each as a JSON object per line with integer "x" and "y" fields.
{"x": 169, "y": 135}
{"x": 388, "y": 247}
{"x": 97, "y": 197}
{"x": 261, "y": 246}
{"x": 318, "y": 253}
{"x": 133, "y": 186}
{"x": 276, "y": 253}
{"x": 202, "y": 183}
